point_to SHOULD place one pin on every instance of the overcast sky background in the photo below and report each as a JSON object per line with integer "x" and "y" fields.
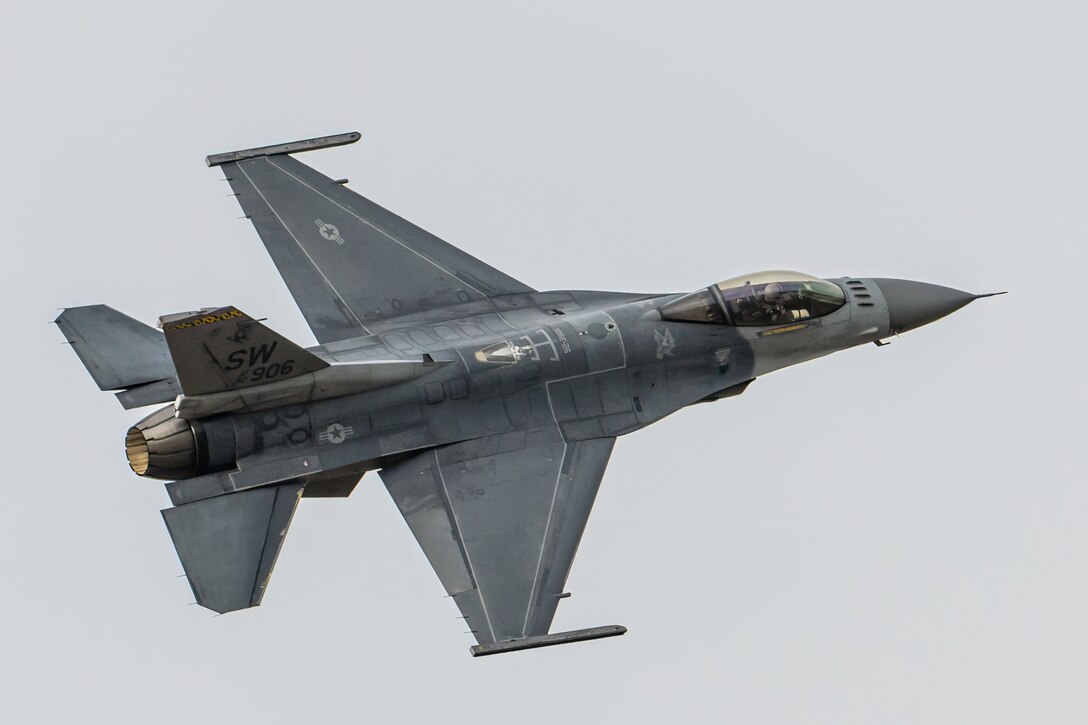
{"x": 913, "y": 550}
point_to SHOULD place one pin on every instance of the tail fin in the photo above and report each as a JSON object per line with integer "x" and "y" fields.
{"x": 121, "y": 354}
{"x": 226, "y": 349}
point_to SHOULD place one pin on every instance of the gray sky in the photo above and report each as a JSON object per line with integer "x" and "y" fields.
{"x": 918, "y": 558}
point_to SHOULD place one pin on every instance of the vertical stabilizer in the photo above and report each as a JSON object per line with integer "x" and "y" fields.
{"x": 226, "y": 349}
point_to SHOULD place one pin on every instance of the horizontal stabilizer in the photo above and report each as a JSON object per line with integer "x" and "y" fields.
{"x": 229, "y": 544}
{"x": 121, "y": 353}
{"x": 226, "y": 349}
{"x": 160, "y": 391}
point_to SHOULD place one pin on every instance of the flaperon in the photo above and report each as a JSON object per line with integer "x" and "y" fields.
{"x": 489, "y": 409}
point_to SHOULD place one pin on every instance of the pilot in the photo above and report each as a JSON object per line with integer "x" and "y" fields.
{"x": 771, "y": 304}
{"x": 773, "y": 291}
{"x": 778, "y": 304}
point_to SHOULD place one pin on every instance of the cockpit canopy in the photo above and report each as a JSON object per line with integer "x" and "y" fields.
{"x": 760, "y": 299}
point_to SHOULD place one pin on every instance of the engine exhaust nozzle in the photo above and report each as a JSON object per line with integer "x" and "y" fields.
{"x": 163, "y": 446}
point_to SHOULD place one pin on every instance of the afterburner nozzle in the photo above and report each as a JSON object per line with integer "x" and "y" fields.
{"x": 162, "y": 446}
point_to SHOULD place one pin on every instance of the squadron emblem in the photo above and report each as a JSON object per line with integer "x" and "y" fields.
{"x": 666, "y": 343}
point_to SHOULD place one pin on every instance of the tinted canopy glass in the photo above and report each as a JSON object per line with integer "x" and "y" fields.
{"x": 761, "y": 299}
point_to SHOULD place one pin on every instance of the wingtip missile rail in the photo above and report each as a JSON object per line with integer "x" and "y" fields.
{"x": 292, "y": 147}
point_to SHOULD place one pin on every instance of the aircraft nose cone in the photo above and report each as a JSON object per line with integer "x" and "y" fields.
{"x": 913, "y": 304}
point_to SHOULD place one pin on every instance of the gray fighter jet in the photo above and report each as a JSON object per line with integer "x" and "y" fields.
{"x": 488, "y": 408}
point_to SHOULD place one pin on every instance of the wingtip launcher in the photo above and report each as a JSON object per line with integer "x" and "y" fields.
{"x": 546, "y": 640}
{"x": 293, "y": 147}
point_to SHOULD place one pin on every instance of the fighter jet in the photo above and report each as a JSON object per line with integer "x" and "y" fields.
{"x": 489, "y": 409}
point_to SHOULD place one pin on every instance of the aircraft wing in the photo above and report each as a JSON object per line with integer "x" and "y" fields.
{"x": 347, "y": 261}
{"x": 499, "y": 519}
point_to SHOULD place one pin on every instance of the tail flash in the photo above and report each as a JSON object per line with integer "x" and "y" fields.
{"x": 226, "y": 349}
